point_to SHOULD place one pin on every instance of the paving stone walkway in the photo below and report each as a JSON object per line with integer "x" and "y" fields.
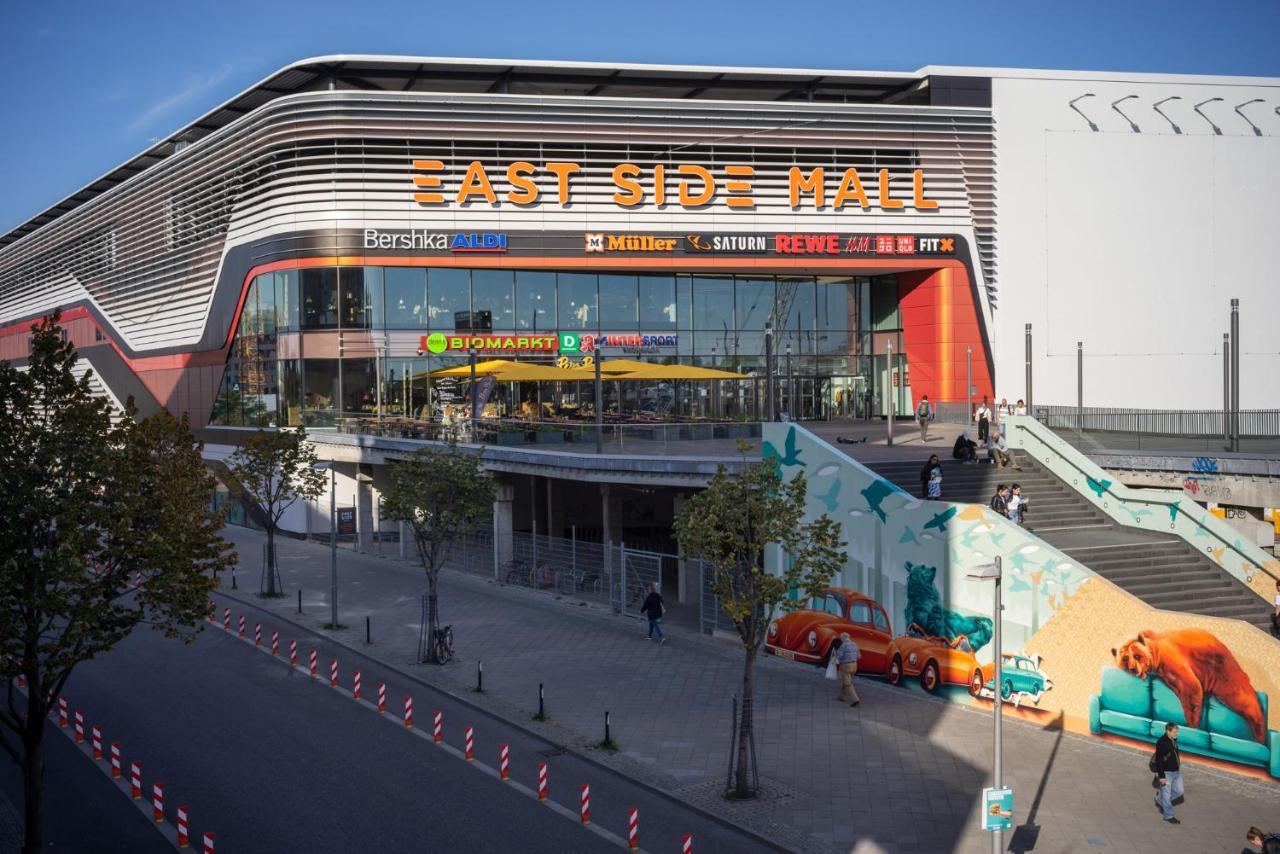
{"x": 901, "y": 773}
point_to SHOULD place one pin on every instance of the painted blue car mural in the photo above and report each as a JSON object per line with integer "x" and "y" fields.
{"x": 1020, "y": 678}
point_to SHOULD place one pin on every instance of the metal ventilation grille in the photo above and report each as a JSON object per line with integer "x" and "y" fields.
{"x": 343, "y": 159}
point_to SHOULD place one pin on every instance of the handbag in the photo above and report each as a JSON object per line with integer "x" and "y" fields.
{"x": 832, "y": 668}
{"x": 1151, "y": 764}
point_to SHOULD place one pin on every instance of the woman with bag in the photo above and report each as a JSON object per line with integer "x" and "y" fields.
{"x": 653, "y": 609}
{"x": 845, "y": 657}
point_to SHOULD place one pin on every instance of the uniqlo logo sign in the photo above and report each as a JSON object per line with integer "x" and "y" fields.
{"x": 906, "y": 244}
{"x": 884, "y": 244}
{"x": 594, "y": 242}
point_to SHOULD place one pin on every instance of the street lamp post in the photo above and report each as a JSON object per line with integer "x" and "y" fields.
{"x": 995, "y": 572}
{"x": 889, "y": 390}
{"x": 791, "y": 387}
{"x": 768, "y": 371}
{"x": 333, "y": 539}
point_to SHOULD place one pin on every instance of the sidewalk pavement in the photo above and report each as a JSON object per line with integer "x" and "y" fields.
{"x": 901, "y": 773}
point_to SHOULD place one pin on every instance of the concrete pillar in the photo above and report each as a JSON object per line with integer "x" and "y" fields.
{"x": 364, "y": 512}
{"x": 688, "y": 577}
{"x": 606, "y": 522}
{"x": 552, "y": 531}
{"x": 503, "y": 523}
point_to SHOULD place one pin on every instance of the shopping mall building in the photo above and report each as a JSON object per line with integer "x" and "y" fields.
{"x": 318, "y": 245}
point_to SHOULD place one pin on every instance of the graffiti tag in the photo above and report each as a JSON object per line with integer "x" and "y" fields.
{"x": 1207, "y": 465}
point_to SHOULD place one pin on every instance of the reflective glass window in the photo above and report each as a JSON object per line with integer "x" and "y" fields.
{"x": 406, "y": 297}
{"x": 754, "y": 300}
{"x": 492, "y": 300}
{"x": 319, "y": 298}
{"x": 535, "y": 301}
{"x": 359, "y": 386}
{"x": 450, "y": 294}
{"x": 360, "y": 297}
{"x": 712, "y": 313}
{"x": 618, "y": 306}
{"x": 884, "y": 304}
{"x": 836, "y": 303}
{"x": 577, "y": 300}
{"x": 657, "y": 303}
{"x": 320, "y": 391}
{"x": 286, "y": 299}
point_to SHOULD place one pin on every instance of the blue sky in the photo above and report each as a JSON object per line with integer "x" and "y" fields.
{"x": 85, "y": 85}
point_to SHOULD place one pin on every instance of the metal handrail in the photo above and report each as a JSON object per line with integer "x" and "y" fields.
{"x": 1177, "y": 506}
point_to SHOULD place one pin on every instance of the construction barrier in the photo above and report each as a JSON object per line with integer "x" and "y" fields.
{"x": 584, "y": 804}
{"x": 275, "y": 642}
{"x": 257, "y": 634}
{"x": 157, "y": 802}
{"x": 437, "y": 727}
{"x": 633, "y": 829}
{"x": 542, "y": 781}
{"x": 408, "y": 713}
{"x": 207, "y": 848}
{"x": 382, "y": 698}
{"x": 79, "y": 727}
{"x": 315, "y": 662}
{"x": 97, "y": 743}
{"x": 135, "y": 780}
{"x": 355, "y": 686}
{"x": 115, "y": 760}
{"x": 504, "y": 762}
{"x": 469, "y": 744}
{"x": 62, "y": 712}
{"x": 333, "y": 673}
{"x": 183, "y": 838}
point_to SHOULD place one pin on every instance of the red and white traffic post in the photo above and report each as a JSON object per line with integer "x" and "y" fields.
{"x": 333, "y": 673}
{"x": 115, "y": 760}
{"x": 315, "y": 663}
{"x": 355, "y": 686}
{"x": 408, "y": 713}
{"x": 97, "y": 742}
{"x": 686, "y": 844}
{"x": 542, "y": 781}
{"x": 184, "y": 839}
{"x": 257, "y": 634}
{"x": 469, "y": 744}
{"x": 293, "y": 653}
{"x": 437, "y": 727}
{"x": 584, "y": 804}
{"x": 633, "y": 829}
{"x": 79, "y": 727}
{"x": 62, "y": 712}
{"x": 241, "y": 632}
{"x": 135, "y": 780}
{"x": 504, "y": 762}
{"x": 207, "y": 847}
{"x": 275, "y": 642}
{"x": 226, "y": 619}
{"x": 382, "y": 698}
{"x": 157, "y": 802}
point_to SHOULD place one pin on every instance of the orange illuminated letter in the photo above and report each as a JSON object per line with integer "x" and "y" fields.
{"x": 742, "y": 189}
{"x": 708, "y": 193}
{"x": 917, "y": 183}
{"x": 814, "y": 184}
{"x": 851, "y": 190}
{"x": 476, "y": 183}
{"x": 523, "y": 190}
{"x": 659, "y": 185}
{"x": 885, "y": 201}
{"x": 624, "y": 175}
{"x": 562, "y": 171}
{"x": 427, "y": 181}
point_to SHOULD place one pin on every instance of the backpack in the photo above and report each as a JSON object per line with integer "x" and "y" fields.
{"x": 922, "y": 411}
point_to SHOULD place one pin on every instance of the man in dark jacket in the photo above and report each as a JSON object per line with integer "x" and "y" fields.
{"x": 926, "y": 473}
{"x": 1267, "y": 843}
{"x": 1000, "y": 501}
{"x": 1168, "y": 772}
{"x": 653, "y": 609}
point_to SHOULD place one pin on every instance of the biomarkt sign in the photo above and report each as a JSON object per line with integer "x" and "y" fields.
{"x": 688, "y": 185}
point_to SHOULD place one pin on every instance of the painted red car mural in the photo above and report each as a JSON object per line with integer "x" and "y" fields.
{"x": 810, "y": 633}
{"x": 936, "y": 661}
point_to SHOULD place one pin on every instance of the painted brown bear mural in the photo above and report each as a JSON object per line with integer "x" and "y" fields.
{"x": 1194, "y": 664}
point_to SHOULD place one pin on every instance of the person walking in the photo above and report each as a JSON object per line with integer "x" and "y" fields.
{"x": 1003, "y": 409}
{"x": 1017, "y": 504}
{"x": 1267, "y": 843}
{"x": 982, "y": 415}
{"x": 926, "y": 474}
{"x": 924, "y": 414}
{"x": 1000, "y": 501}
{"x": 654, "y": 609}
{"x": 847, "y": 655}
{"x": 1275, "y": 615}
{"x": 1168, "y": 770}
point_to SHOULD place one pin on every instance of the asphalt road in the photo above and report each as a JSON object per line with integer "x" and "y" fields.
{"x": 271, "y": 760}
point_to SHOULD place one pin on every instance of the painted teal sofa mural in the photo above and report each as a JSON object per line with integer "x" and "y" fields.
{"x": 1140, "y": 707}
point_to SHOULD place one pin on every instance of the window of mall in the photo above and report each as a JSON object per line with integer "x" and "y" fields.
{"x": 325, "y": 343}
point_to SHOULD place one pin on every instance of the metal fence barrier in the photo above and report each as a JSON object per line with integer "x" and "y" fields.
{"x": 1254, "y": 423}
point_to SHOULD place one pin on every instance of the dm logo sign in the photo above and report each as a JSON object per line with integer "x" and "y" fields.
{"x": 569, "y": 342}
{"x": 436, "y": 342}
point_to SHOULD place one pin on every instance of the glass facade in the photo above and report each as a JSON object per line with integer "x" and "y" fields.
{"x": 323, "y": 343}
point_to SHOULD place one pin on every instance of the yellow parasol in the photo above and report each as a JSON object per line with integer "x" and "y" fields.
{"x": 679, "y": 372}
{"x": 623, "y": 366}
{"x": 542, "y": 373}
{"x": 483, "y": 369}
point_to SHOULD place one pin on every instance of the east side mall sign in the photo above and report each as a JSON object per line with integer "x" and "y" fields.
{"x": 688, "y": 185}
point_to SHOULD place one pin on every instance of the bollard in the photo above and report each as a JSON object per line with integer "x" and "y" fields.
{"x": 542, "y": 709}
{"x": 504, "y": 762}
{"x": 115, "y": 760}
{"x": 479, "y": 677}
{"x": 79, "y": 727}
{"x": 299, "y": 600}
{"x": 183, "y": 838}
{"x": 584, "y": 804}
{"x": 257, "y": 634}
{"x": 368, "y": 631}
{"x": 542, "y": 781}
{"x": 686, "y": 844}
{"x": 382, "y": 698}
{"x": 633, "y": 829}
{"x": 62, "y": 712}
{"x": 469, "y": 744}
{"x": 293, "y": 653}
{"x": 240, "y": 633}
{"x": 275, "y": 642}
{"x": 408, "y": 713}
{"x": 333, "y": 673}
{"x": 355, "y": 690}
{"x": 137, "y": 579}
{"x": 437, "y": 727}
{"x": 607, "y": 738}
{"x": 157, "y": 802}
{"x": 208, "y": 844}
{"x": 226, "y": 619}
{"x": 314, "y": 664}
{"x": 97, "y": 742}
{"x": 135, "y": 780}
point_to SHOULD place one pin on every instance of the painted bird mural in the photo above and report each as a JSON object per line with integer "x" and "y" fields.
{"x": 832, "y": 496}
{"x": 1098, "y": 486}
{"x": 940, "y": 520}
{"x": 876, "y": 493}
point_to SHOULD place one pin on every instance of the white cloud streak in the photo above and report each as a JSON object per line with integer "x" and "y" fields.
{"x": 194, "y": 85}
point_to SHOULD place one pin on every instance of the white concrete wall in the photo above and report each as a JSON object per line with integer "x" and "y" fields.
{"x": 1134, "y": 243}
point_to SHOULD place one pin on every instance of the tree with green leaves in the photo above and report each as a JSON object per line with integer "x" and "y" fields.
{"x": 442, "y": 493}
{"x": 730, "y": 525}
{"x": 274, "y": 469}
{"x": 107, "y": 524}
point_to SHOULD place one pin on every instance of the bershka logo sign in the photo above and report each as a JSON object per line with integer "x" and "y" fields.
{"x": 486, "y": 241}
{"x": 418, "y": 240}
{"x": 600, "y": 242}
{"x": 740, "y": 244}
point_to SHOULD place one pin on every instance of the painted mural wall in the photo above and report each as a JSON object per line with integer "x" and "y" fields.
{"x": 1077, "y": 650}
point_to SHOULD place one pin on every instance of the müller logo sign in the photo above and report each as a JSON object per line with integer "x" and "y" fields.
{"x": 688, "y": 185}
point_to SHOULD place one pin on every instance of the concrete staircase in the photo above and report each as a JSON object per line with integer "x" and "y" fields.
{"x": 1161, "y": 569}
